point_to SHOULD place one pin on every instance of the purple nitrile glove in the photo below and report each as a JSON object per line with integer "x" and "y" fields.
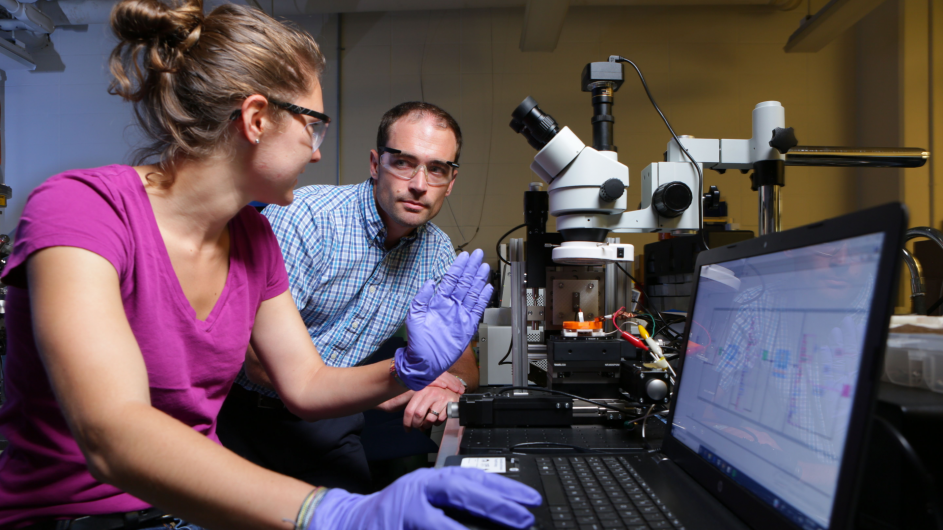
{"x": 442, "y": 321}
{"x": 411, "y": 502}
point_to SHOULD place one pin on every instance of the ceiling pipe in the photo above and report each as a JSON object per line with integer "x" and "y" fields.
{"x": 98, "y": 11}
{"x": 79, "y": 12}
{"x": 32, "y": 18}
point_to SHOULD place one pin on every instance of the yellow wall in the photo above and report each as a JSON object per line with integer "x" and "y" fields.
{"x": 707, "y": 67}
{"x": 900, "y": 103}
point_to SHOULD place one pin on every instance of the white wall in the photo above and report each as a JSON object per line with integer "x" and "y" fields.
{"x": 707, "y": 67}
{"x": 60, "y": 116}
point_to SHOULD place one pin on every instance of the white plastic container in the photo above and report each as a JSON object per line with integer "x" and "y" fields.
{"x": 915, "y": 359}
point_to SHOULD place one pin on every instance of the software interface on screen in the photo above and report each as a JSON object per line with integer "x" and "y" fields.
{"x": 771, "y": 368}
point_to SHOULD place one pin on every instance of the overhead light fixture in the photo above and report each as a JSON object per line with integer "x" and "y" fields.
{"x": 828, "y": 23}
{"x": 13, "y": 57}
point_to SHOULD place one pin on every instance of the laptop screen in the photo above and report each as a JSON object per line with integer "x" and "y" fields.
{"x": 772, "y": 363}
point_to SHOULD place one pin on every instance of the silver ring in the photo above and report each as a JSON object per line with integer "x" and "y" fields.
{"x": 436, "y": 414}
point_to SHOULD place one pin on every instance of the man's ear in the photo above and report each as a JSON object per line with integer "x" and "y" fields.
{"x": 449, "y": 190}
{"x": 374, "y": 164}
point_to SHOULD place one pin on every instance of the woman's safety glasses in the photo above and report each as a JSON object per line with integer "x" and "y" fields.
{"x": 317, "y": 129}
{"x": 405, "y": 166}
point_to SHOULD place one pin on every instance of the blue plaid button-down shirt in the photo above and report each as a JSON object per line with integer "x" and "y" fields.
{"x": 352, "y": 293}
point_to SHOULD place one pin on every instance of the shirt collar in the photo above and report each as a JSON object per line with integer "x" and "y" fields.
{"x": 373, "y": 223}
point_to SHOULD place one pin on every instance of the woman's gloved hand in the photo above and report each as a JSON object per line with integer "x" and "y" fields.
{"x": 442, "y": 321}
{"x": 412, "y": 501}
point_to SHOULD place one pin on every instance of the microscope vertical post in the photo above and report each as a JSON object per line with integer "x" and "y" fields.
{"x": 519, "y": 362}
{"x": 768, "y": 161}
{"x": 770, "y": 208}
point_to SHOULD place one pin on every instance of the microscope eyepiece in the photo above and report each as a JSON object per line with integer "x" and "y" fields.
{"x": 537, "y": 126}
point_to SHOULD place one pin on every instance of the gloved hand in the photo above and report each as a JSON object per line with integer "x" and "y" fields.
{"x": 411, "y": 502}
{"x": 441, "y": 322}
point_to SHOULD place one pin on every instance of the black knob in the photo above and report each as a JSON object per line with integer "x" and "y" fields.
{"x": 656, "y": 389}
{"x": 783, "y": 139}
{"x": 672, "y": 199}
{"x": 712, "y": 198}
{"x": 611, "y": 190}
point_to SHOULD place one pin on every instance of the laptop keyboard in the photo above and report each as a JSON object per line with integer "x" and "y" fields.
{"x": 596, "y": 493}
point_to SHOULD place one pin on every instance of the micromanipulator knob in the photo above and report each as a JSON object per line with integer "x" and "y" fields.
{"x": 656, "y": 389}
{"x": 611, "y": 190}
{"x": 672, "y": 199}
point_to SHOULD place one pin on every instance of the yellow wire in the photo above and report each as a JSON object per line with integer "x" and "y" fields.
{"x": 643, "y": 331}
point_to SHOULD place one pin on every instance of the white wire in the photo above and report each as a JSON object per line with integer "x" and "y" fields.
{"x": 645, "y": 421}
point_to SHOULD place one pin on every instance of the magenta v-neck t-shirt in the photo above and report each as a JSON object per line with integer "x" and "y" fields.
{"x": 191, "y": 363}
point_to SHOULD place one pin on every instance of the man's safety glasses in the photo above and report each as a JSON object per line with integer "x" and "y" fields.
{"x": 405, "y": 166}
{"x": 317, "y": 129}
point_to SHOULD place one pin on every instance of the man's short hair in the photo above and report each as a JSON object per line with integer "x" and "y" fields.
{"x": 419, "y": 109}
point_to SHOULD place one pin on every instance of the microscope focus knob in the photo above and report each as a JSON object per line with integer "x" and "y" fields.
{"x": 672, "y": 199}
{"x": 783, "y": 139}
{"x": 712, "y": 198}
{"x": 611, "y": 190}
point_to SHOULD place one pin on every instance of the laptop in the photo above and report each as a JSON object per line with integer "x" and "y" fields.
{"x": 767, "y": 422}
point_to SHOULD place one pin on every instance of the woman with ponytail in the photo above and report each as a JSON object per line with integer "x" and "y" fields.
{"x": 134, "y": 292}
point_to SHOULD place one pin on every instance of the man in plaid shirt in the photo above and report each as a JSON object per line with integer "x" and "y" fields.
{"x": 356, "y": 256}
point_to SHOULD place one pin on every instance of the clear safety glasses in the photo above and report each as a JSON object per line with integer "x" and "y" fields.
{"x": 405, "y": 166}
{"x": 317, "y": 129}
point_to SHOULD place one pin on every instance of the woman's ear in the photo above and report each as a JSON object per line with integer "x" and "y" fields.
{"x": 254, "y": 120}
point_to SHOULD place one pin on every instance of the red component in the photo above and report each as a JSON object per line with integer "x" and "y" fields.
{"x": 631, "y": 338}
{"x": 635, "y": 341}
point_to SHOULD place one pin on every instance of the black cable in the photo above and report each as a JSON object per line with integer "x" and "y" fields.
{"x": 510, "y": 345}
{"x": 665, "y": 327}
{"x": 459, "y": 228}
{"x": 700, "y": 174}
{"x": 627, "y": 274}
{"x": 497, "y": 246}
{"x": 484, "y": 195}
{"x": 935, "y": 306}
{"x": 914, "y": 459}
{"x": 577, "y": 448}
{"x": 504, "y": 389}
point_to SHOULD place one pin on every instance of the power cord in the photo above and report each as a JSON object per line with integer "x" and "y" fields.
{"x": 503, "y": 359}
{"x": 700, "y": 174}
{"x": 935, "y": 306}
{"x": 497, "y": 246}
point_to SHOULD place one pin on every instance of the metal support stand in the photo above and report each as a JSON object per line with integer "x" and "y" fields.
{"x": 613, "y": 298}
{"x": 770, "y": 209}
{"x": 767, "y": 177}
{"x": 519, "y": 362}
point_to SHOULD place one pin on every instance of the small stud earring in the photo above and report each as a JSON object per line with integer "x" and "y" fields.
{"x": 257, "y": 141}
